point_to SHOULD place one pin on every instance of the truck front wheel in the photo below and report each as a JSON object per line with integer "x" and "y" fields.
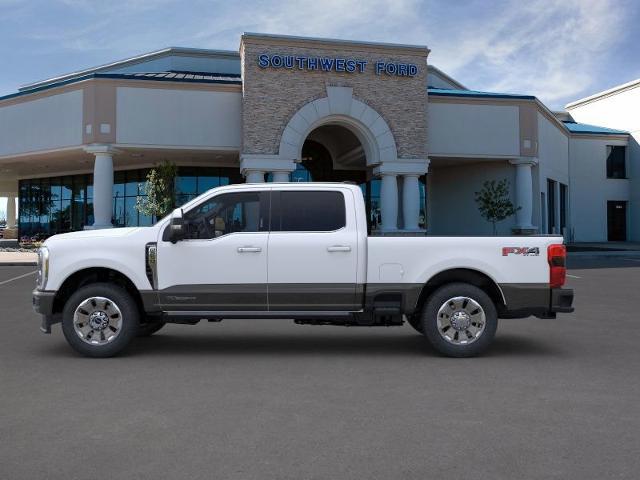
{"x": 100, "y": 320}
{"x": 459, "y": 320}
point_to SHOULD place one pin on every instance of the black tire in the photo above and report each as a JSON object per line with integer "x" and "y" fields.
{"x": 127, "y": 328}
{"x": 430, "y": 320}
{"x": 416, "y": 322}
{"x": 149, "y": 328}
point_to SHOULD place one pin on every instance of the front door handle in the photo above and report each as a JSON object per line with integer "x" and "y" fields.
{"x": 249, "y": 249}
{"x": 339, "y": 248}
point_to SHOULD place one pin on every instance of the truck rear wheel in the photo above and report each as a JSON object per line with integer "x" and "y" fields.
{"x": 100, "y": 320}
{"x": 459, "y": 320}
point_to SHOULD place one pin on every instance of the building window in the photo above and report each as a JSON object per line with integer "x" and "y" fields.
{"x": 563, "y": 206}
{"x": 61, "y": 204}
{"x": 616, "y": 161}
{"x": 551, "y": 206}
{"x": 543, "y": 216}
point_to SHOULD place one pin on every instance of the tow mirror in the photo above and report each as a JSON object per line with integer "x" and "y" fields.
{"x": 177, "y": 226}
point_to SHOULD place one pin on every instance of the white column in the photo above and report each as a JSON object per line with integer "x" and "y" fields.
{"x": 280, "y": 176}
{"x": 389, "y": 202}
{"x": 254, "y": 176}
{"x": 102, "y": 186}
{"x": 11, "y": 212}
{"x": 410, "y": 201}
{"x": 524, "y": 192}
{"x": 254, "y": 166}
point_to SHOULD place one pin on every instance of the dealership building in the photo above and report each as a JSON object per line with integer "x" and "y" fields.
{"x": 75, "y": 149}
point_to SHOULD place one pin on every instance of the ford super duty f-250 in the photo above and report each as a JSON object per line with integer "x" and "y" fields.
{"x": 291, "y": 250}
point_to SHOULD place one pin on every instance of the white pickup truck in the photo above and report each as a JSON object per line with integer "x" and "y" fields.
{"x": 291, "y": 250}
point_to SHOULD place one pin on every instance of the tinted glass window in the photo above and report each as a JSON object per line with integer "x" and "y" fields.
{"x": 616, "y": 161}
{"x": 227, "y": 213}
{"x": 311, "y": 212}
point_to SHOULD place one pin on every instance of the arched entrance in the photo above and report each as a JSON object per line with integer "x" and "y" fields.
{"x": 333, "y": 153}
{"x": 339, "y": 138}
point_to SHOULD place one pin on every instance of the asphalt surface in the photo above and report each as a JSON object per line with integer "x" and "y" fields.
{"x": 273, "y": 400}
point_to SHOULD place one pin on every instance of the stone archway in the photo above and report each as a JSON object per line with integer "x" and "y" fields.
{"x": 340, "y": 108}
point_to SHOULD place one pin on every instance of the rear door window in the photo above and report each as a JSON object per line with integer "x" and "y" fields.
{"x": 308, "y": 211}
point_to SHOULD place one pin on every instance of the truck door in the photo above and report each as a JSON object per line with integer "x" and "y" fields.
{"x": 222, "y": 264}
{"x": 313, "y": 251}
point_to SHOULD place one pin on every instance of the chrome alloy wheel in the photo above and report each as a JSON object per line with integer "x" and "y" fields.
{"x": 97, "y": 321}
{"x": 461, "y": 320}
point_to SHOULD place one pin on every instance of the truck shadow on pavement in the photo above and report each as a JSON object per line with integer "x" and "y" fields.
{"x": 270, "y": 345}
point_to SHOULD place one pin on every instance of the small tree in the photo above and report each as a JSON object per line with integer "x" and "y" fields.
{"x": 494, "y": 203}
{"x": 160, "y": 191}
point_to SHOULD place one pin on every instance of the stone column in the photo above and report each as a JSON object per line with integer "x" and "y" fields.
{"x": 102, "y": 186}
{"x": 254, "y": 176}
{"x": 11, "y": 212}
{"x": 410, "y": 201}
{"x": 389, "y": 202}
{"x": 280, "y": 176}
{"x": 524, "y": 194}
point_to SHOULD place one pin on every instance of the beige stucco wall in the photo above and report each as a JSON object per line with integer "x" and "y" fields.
{"x": 272, "y": 96}
{"x": 459, "y": 129}
{"x": 50, "y": 122}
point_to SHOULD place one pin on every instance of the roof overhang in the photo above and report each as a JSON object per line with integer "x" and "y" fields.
{"x": 145, "y": 57}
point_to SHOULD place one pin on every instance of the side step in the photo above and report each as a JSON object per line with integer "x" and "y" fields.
{"x": 381, "y": 317}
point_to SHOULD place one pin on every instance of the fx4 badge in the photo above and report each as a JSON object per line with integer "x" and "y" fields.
{"x": 525, "y": 251}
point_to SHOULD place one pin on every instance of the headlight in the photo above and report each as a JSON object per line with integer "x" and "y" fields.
{"x": 43, "y": 267}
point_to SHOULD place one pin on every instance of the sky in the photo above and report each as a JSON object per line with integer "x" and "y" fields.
{"x": 558, "y": 50}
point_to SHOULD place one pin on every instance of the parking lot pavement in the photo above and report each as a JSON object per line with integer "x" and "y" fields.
{"x": 273, "y": 400}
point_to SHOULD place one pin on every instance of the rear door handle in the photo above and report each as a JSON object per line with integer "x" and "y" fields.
{"x": 339, "y": 248}
{"x": 249, "y": 249}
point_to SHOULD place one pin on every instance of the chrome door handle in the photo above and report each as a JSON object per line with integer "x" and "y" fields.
{"x": 249, "y": 249}
{"x": 339, "y": 248}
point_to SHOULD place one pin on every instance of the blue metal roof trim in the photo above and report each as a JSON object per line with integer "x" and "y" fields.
{"x": 475, "y": 93}
{"x": 228, "y": 79}
{"x": 575, "y": 127}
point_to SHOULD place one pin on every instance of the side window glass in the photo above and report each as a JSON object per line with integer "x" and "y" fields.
{"x": 227, "y": 213}
{"x": 310, "y": 211}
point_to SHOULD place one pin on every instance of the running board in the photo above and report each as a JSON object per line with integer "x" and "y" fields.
{"x": 381, "y": 317}
{"x": 183, "y": 315}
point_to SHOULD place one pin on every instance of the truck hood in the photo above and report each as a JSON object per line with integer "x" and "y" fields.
{"x": 102, "y": 233}
{"x": 107, "y": 237}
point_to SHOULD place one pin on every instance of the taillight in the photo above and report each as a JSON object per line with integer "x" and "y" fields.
{"x": 557, "y": 256}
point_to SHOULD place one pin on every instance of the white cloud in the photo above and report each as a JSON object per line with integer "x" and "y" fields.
{"x": 551, "y": 48}
{"x": 548, "y": 48}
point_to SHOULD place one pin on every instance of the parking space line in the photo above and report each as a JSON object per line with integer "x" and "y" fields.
{"x": 18, "y": 278}
{"x": 573, "y": 276}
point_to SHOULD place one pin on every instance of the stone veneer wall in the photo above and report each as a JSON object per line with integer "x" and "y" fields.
{"x": 271, "y": 96}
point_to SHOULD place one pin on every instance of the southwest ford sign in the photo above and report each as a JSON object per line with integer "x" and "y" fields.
{"x": 331, "y": 64}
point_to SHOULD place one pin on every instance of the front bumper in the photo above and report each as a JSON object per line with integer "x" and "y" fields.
{"x": 43, "y": 304}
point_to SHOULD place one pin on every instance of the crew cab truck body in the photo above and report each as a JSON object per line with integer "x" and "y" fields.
{"x": 292, "y": 250}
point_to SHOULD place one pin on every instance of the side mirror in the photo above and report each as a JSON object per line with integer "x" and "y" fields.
{"x": 177, "y": 227}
